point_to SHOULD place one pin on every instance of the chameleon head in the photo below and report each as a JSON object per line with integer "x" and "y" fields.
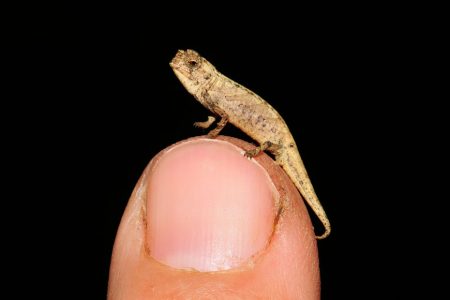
{"x": 192, "y": 70}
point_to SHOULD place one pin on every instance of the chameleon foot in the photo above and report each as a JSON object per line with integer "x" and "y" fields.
{"x": 252, "y": 153}
{"x": 264, "y": 146}
{"x": 205, "y": 124}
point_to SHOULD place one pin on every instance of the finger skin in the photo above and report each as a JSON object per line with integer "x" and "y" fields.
{"x": 287, "y": 268}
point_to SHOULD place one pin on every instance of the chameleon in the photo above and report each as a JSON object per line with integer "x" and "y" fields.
{"x": 241, "y": 107}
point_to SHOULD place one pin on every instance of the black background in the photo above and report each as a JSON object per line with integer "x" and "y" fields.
{"x": 91, "y": 99}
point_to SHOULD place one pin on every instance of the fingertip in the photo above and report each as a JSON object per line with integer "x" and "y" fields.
{"x": 258, "y": 234}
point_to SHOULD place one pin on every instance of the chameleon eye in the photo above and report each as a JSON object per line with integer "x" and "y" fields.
{"x": 192, "y": 63}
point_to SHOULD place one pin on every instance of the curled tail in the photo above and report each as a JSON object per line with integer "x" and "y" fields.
{"x": 297, "y": 172}
{"x": 320, "y": 213}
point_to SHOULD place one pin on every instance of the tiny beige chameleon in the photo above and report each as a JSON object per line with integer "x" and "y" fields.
{"x": 249, "y": 112}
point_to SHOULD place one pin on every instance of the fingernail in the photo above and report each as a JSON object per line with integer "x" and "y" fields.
{"x": 208, "y": 207}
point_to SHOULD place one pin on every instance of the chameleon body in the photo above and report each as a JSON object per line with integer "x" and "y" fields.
{"x": 250, "y": 113}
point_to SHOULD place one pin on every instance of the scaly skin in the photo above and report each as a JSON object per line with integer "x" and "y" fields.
{"x": 250, "y": 113}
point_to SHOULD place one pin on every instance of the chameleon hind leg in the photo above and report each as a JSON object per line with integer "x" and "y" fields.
{"x": 267, "y": 145}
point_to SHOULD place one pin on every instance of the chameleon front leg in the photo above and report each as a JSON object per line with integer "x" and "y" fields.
{"x": 267, "y": 145}
{"x": 221, "y": 124}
